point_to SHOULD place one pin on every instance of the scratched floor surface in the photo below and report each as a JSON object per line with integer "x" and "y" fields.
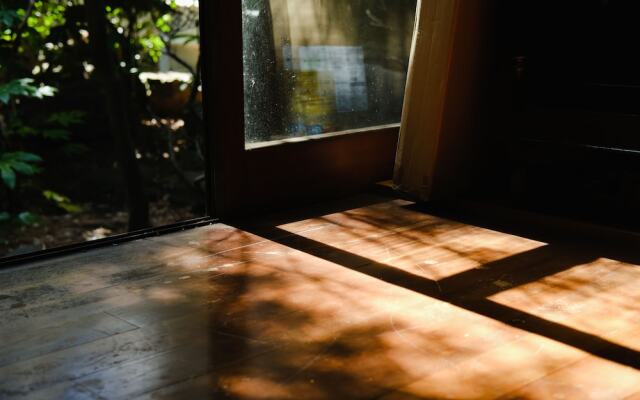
{"x": 376, "y": 301}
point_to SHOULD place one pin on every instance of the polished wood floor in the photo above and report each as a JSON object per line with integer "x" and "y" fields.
{"x": 379, "y": 300}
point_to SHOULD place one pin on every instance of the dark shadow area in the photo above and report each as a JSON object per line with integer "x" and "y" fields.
{"x": 312, "y": 211}
{"x": 560, "y": 137}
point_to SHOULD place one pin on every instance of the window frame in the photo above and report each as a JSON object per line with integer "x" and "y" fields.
{"x": 237, "y": 192}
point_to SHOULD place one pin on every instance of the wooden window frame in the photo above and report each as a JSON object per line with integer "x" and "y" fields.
{"x": 308, "y": 176}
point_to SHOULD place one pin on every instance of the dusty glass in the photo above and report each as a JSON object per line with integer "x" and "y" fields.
{"x": 314, "y": 67}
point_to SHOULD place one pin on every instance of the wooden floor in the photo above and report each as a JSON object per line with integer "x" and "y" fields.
{"x": 378, "y": 301}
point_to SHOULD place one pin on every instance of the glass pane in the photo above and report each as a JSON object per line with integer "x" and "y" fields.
{"x": 314, "y": 67}
{"x": 101, "y": 127}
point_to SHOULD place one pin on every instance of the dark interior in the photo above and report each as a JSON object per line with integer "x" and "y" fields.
{"x": 561, "y": 110}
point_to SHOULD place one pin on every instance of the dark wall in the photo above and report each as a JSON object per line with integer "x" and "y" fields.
{"x": 562, "y": 111}
{"x": 575, "y": 47}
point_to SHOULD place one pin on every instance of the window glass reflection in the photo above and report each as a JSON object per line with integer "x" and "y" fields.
{"x": 314, "y": 67}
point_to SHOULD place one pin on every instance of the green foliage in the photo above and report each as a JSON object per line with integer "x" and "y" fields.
{"x": 45, "y": 47}
{"x": 54, "y": 124}
{"x": 50, "y": 29}
{"x": 46, "y": 16}
{"x": 138, "y": 27}
{"x": 18, "y": 162}
{"x": 25, "y": 88}
{"x": 28, "y": 218}
{"x": 61, "y": 201}
{"x": 153, "y": 46}
{"x": 8, "y": 18}
{"x": 23, "y": 218}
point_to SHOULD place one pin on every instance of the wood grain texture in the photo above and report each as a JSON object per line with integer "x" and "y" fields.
{"x": 365, "y": 299}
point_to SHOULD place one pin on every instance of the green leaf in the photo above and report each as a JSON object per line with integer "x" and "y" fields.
{"x": 24, "y": 87}
{"x": 62, "y": 201}
{"x": 24, "y": 168}
{"x": 70, "y": 208}
{"x": 27, "y": 157}
{"x": 18, "y": 161}
{"x": 27, "y": 218}
{"x": 8, "y": 176}
{"x": 8, "y": 17}
{"x": 17, "y": 87}
{"x": 53, "y": 196}
{"x": 5, "y": 216}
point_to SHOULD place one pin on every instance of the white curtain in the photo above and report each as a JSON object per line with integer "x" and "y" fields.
{"x": 437, "y": 128}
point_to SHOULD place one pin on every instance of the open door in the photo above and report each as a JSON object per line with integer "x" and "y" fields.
{"x": 304, "y": 97}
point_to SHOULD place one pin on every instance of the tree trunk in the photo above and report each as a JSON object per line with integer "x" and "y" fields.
{"x": 119, "y": 118}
